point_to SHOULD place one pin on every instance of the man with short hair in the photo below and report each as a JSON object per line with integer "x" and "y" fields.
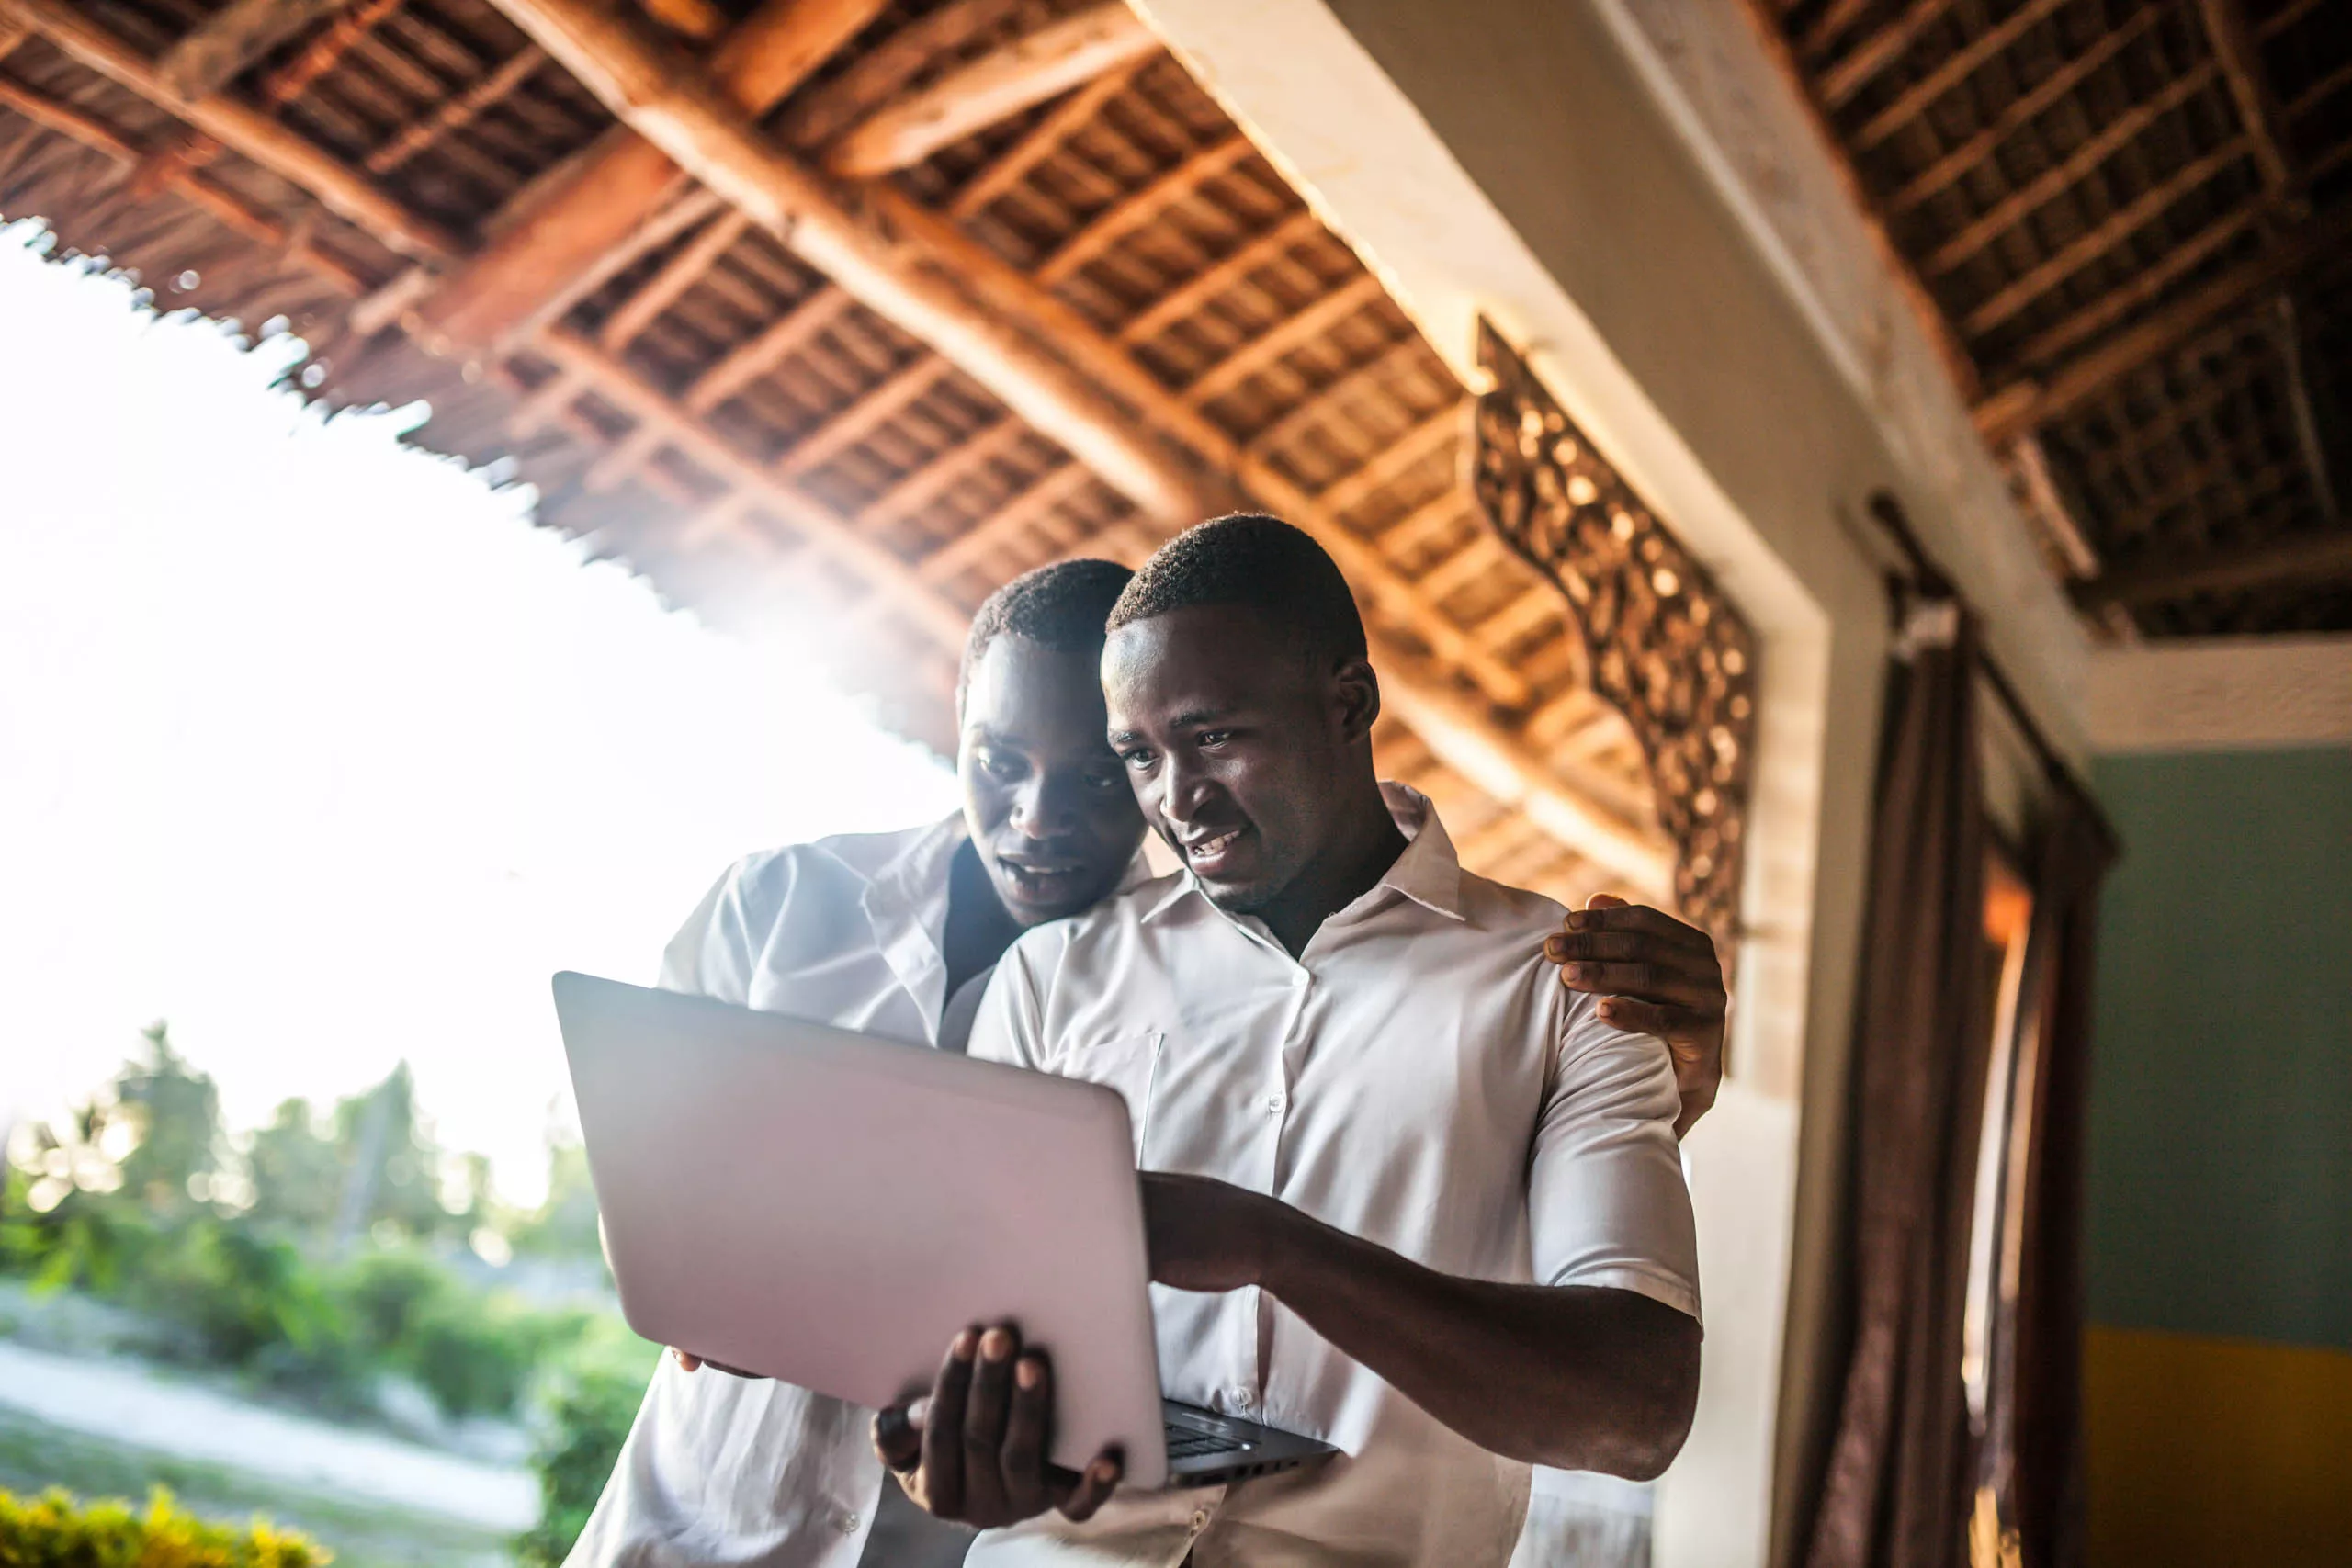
{"x": 895, "y": 933}
{"x": 1404, "y": 1192}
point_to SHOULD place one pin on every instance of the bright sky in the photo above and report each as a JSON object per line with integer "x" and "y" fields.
{"x": 312, "y": 745}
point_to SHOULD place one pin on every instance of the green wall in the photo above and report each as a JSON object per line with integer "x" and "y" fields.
{"x": 2220, "y": 1175}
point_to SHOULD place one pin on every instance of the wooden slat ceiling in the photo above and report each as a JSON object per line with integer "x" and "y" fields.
{"x": 2130, "y": 223}
{"x": 690, "y": 393}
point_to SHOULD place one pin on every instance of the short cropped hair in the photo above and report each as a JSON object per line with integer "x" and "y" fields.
{"x": 1250, "y": 558}
{"x": 1063, "y": 607}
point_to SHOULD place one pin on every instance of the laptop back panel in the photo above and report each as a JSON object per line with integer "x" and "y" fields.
{"x": 816, "y": 1205}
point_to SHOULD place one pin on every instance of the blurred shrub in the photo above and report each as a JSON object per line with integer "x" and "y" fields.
{"x": 591, "y": 1400}
{"x": 54, "y": 1532}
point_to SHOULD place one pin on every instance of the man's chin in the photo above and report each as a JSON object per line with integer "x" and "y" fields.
{"x": 1034, "y": 905}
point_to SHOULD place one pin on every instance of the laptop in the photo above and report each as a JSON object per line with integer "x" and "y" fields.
{"x": 827, "y": 1208}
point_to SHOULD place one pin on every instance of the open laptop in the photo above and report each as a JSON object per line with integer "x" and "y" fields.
{"x": 827, "y": 1208}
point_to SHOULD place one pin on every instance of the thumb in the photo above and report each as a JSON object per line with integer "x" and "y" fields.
{"x": 1604, "y": 901}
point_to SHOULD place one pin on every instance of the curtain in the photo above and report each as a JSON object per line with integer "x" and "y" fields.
{"x": 1895, "y": 1493}
{"x": 2033, "y": 1429}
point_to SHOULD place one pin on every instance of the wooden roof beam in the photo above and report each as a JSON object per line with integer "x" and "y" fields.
{"x": 2324, "y": 557}
{"x": 2240, "y": 60}
{"x": 2148, "y": 284}
{"x": 229, "y": 209}
{"x": 1139, "y": 206}
{"x": 460, "y": 109}
{"x": 520, "y": 275}
{"x": 866, "y": 558}
{"x": 1316, "y": 320}
{"x": 2111, "y": 232}
{"x": 1001, "y": 527}
{"x": 1220, "y": 276}
{"x": 883, "y": 263}
{"x": 1040, "y": 141}
{"x": 211, "y": 54}
{"x": 1045, "y": 63}
{"x": 1955, "y": 165}
{"x": 2027, "y": 402}
{"x": 2062, "y": 176}
{"x": 1851, "y": 73}
{"x": 342, "y": 190}
{"x": 1964, "y": 62}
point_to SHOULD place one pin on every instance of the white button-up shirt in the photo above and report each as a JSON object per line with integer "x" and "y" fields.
{"x": 1417, "y": 1078}
{"x": 721, "y": 1471}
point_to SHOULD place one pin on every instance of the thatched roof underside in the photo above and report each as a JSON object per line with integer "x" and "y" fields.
{"x": 707, "y": 405}
{"x": 2130, "y": 221}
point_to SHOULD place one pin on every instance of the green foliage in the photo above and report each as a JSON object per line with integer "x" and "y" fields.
{"x": 296, "y": 1172}
{"x": 592, "y": 1400}
{"x": 54, "y": 1532}
{"x": 173, "y": 1114}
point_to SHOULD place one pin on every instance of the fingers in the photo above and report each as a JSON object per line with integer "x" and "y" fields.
{"x": 898, "y": 1439}
{"x": 1619, "y": 916}
{"x": 685, "y": 1362}
{"x": 986, "y": 1497}
{"x": 1677, "y": 1026}
{"x": 1024, "y": 1454}
{"x": 1093, "y": 1487}
{"x": 1642, "y": 982}
{"x": 943, "y": 1427}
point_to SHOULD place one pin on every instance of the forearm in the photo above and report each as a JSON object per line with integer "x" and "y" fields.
{"x": 1571, "y": 1376}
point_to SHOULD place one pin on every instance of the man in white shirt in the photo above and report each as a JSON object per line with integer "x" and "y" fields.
{"x": 894, "y": 934}
{"x": 1405, "y": 1194}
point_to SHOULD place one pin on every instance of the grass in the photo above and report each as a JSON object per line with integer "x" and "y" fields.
{"x": 35, "y": 1456}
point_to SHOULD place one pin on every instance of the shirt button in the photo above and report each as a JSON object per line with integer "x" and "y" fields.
{"x": 1242, "y": 1396}
{"x": 1298, "y": 979}
{"x": 1275, "y": 1104}
{"x": 850, "y": 1523}
{"x": 1200, "y": 1520}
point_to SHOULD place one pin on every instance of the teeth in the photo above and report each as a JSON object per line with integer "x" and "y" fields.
{"x": 1211, "y": 846}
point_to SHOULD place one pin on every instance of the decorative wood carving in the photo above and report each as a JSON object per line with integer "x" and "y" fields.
{"x": 1665, "y": 648}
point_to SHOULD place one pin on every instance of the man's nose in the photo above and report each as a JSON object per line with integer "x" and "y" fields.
{"x": 1044, "y": 806}
{"x": 1183, "y": 789}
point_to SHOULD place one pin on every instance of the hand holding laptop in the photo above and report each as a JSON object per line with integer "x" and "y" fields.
{"x": 973, "y": 1450}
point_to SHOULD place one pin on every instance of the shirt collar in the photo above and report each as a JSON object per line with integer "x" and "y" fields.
{"x": 1429, "y": 872}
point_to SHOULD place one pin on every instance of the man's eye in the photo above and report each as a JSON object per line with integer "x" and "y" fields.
{"x": 1104, "y": 781}
{"x": 1214, "y": 737}
{"x": 1138, "y": 761}
{"x": 998, "y": 767}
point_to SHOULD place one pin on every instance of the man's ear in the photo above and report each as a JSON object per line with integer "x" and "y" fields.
{"x": 1357, "y": 690}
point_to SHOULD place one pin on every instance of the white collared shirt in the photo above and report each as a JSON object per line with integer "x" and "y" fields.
{"x": 721, "y": 1471}
{"x": 1417, "y": 1078}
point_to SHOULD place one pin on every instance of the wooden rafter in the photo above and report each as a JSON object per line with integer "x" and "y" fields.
{"x": 244, "y": 130}
{"x": 229, "y": 208}
{"x": 460, "y": 109}
{"x": 1040, "y": 141}
{"x": 700, "y": 20}
{"x": 2240, "y": 60}
{"x": 1141, "y": 206}
{"x": 1308, "y": 325}
{"x": 2022, "y": 111}
{"x": 523, "y": 274}
{"x": 2324, "y": 556}
{"x": 774, "y": 344}
{"x": 1006, "y": 523}
{"x": 2148, "y": 284}
{"x": 2110, "y": 231}
{"x": 1221, "y": 275}
{"x": 1854, "y": 70}
{"x": 2064, "y": 174}
{"x": 211, "y": 54}
{"x": 1436, "y": 432}
{"x": 1019, "y": 75}
{"x": 1317, "y": 411}
{"x": 871, "y": 409}
{"x": 889, "y": 576}
{"x": 2026, "y": 403}
{"x": 1959, "y": 67}
{"x": 943, "y": 473}
{"x": 673, "y": 105}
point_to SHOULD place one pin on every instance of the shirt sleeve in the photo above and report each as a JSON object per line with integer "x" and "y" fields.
{"x": 1607, "y": 1204}
{"x": 714, "y": 952}
{"x": 1010, "y": 1027}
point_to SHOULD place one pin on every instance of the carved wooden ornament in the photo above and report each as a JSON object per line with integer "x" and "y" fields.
{"x": 1664, "y": 647}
